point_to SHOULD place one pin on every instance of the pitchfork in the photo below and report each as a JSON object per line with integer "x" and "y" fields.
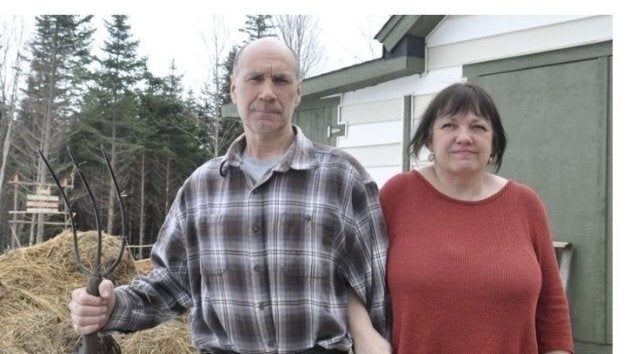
{"x": 95, "y": 273}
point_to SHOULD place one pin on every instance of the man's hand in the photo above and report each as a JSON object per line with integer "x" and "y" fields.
{"x": 90, "y": 313}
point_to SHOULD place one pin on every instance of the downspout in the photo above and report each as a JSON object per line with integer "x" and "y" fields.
{"x": 407, "y": 120}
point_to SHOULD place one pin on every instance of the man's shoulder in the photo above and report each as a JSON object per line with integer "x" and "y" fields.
{"x": 330, "y": 156}
{"x": 208, "y": 169}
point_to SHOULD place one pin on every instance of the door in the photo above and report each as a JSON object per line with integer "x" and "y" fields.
{"x": 556, "y": 111}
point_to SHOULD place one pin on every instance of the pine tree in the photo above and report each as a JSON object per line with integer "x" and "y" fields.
{"x": 61, "y": 45}
{"x": 111, "y": 117}
{"x": 172, "y": 149}
{"x": 258, "y": 26}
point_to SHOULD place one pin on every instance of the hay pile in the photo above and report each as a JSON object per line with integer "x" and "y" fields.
{"x": 35, "y": 287}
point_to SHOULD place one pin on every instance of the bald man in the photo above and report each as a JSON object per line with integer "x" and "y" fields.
{"x": 264, "y": 245}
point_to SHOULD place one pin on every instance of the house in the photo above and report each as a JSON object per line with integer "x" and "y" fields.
{"x": 551, "y": 78}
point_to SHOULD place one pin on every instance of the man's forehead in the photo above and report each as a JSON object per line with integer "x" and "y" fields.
{"x": 267, "y": 70}
{"x": 266, "y": 57}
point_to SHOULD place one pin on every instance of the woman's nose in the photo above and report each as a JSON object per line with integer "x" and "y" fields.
{"x": 463, "y": 135}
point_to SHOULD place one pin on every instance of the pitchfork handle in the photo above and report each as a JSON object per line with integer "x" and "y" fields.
{"x": 90, "y": 341}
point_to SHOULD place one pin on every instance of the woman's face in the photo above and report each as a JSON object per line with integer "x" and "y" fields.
{"x": 461, "y": 143}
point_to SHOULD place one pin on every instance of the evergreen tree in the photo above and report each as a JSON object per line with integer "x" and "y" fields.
{"x": 172, "y": 149}
{"x": 111, "y": 118}
{"x": 228, "y": 68}
{"x": 225, "y": 129}
{"x": 60, "y": 46}
{"x": 258, "y": 26}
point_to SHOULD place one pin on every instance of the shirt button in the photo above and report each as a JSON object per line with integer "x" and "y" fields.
{"x": 258, "y": 268}
{"x": 255, "y": 229}
{"x": 308, "y": 218}
{"x": 260, "y": 306}
{"x": 271, "y": 343}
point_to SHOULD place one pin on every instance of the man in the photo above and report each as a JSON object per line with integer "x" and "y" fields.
{"x": 265, "y": 244}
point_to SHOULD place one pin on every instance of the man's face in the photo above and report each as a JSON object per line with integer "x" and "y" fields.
{"x": 265, "y": 88}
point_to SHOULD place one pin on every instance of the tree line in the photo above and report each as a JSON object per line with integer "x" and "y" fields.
{"x": 57, "y": 95}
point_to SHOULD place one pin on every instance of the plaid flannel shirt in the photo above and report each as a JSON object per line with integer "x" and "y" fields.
{"x": 264, "y": 267}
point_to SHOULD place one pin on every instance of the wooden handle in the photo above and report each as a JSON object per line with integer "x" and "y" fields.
{"x": 90, "y": 341}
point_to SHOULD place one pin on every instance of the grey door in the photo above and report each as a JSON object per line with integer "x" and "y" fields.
{"x": 556, "y": 108}
{"x": 318, "y": 120}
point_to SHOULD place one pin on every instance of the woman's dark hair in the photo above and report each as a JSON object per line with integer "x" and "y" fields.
{"x": 457, "y": 99}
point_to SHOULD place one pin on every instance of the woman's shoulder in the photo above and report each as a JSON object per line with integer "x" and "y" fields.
{"x": 523, "y": 189}
{"x": 526, "y": 194}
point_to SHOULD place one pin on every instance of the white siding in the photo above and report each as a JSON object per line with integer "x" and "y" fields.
{"x": 389, "y": 155}
{"x": 466, "y": 27}
{"x": 371, "y": 134}
{"x": 371, "y": 112}
{"x": 489, "y": 45}
{"x": 374, "y": 114}
{"x": 382, "y": 174}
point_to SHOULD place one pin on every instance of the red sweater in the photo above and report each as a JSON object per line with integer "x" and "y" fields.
{"x": 472, "y": 277}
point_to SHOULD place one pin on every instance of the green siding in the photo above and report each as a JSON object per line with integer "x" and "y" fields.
{"x": 315, "y": 117}
{"x": 556, "y": 111}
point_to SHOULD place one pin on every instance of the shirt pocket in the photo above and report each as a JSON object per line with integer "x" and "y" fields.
{"x": 309, "y": 232}
{"x": 309, "y": 245}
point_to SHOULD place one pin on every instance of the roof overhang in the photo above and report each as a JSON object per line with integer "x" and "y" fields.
{"x": 398, "y": 26}
{"x": 400, "y": 33}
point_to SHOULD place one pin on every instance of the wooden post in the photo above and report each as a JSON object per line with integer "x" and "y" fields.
{"x": 15, "y": 180}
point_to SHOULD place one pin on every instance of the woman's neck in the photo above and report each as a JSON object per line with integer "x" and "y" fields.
{"x": 468, "y": 187}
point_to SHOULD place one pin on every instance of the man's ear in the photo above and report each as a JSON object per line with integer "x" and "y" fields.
{"x": 232, "y": 88}
{"x": 299, "y": 95}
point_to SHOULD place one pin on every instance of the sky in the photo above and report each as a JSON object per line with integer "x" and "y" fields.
{"x": 186, "y": 38}
{"x": 346, "y": 40}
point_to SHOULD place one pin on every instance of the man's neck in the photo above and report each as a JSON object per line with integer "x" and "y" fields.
{"x": 268, "y": 146}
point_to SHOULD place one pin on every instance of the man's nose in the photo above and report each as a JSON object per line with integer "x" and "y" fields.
{"x": 267, "y": 92}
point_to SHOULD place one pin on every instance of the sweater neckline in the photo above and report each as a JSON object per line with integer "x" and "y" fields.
{"x": 460, "y": 201}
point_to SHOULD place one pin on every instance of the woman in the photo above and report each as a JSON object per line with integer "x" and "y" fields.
{"x": 471, "y": 266}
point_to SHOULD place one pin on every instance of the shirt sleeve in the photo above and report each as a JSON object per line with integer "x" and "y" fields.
{"x": 553, "y": 326}
{"x": 162, "y": 294}
{"x": 365, "y": 254}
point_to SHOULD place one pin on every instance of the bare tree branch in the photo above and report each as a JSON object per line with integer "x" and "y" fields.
{"x": 301, "y": 33}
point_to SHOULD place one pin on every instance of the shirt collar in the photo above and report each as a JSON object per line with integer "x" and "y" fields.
{"x": 299, "y": 156}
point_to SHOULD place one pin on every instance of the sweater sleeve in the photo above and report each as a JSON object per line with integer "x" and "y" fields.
{"x": 553, "y": 326}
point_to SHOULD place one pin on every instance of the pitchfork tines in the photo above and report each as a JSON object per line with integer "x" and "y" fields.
{"x": 95, "y": 272}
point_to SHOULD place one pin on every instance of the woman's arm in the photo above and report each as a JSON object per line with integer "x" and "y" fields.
{"x": 366, "y": 339}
